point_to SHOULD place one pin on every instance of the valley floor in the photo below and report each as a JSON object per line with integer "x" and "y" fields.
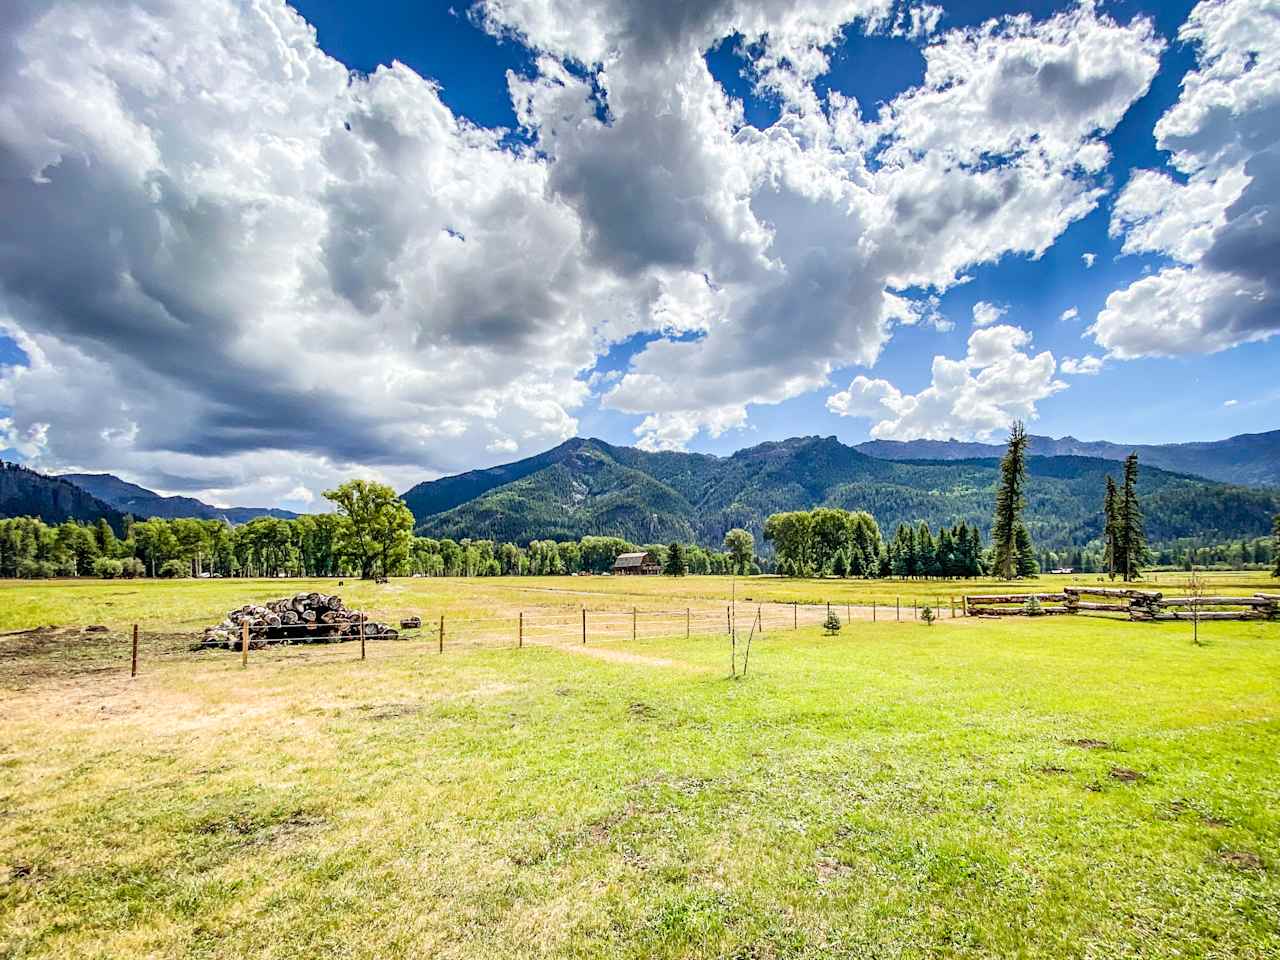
{"x": 1064, "y": 787}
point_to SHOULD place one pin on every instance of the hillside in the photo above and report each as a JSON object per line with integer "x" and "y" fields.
{"x": 25, "y": 493}
{"x": 145, "y": 504}
{"x": 1250, "y": 459}
{"x": 587, "y": 487}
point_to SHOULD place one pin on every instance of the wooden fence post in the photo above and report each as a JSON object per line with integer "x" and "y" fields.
{"x": 915, "y": 610}
{"x": 442, "y": 633}
{"x": 795, "y": 615}
{"x": 898, "y": 607}
{"x": 520, "y": 635}
{"x": 362, "y": 636}
{"x": 634, "y": 618}
{"x": 133, "y": 670}
{"x": 584, "y": 626}
{"x": 244, "y": 644}
{"x": 686, "y": 623}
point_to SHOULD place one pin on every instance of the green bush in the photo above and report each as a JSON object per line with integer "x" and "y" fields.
{"x": 173, "y": 569}
{"x": 1032, "y": 606}
{"x": 131, "y": 567}
{"x": 927, "y": 614}
{"x": 831, "y": 624}
{"x": 107, "y": 569}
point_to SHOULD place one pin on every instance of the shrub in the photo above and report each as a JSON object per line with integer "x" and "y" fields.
{"x": 1032, "y": 607}
{"x": 831, "y": 624}
{"x": 173, "y": 569}
{"x": 107, "y": 569}
{"x": 30, "y": 569}
{"x": 131, "y": 567}
{"x": 927, "y": 615}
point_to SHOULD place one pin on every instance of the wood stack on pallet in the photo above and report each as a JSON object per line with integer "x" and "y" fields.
{"x": 303, "y": 618}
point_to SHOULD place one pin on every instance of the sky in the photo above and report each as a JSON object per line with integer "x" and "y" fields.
{"x": 248, "y": 249}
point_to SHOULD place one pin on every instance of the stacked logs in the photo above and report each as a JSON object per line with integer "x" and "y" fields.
{"x": 303, "y": 618}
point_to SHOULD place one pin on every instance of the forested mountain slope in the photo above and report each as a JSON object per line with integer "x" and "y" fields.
{"x": 25, "y": 493}
{"x": 1252, "y": 459}
{"x": 588, "y": 487}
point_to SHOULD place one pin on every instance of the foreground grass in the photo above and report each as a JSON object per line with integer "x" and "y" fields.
{"x": 974, "y": 789}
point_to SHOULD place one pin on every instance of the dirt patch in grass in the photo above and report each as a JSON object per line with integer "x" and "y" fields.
{"x": 1053, "y": 770}
{"x": 258, "y": 828}
{"x": 1241, "y": 859}
{"x": 1088, "y": 743}
{"x": 1125, "y": 775}
{"x": 829, "y": 869}
{"x": 390, "y": 711}
{"x": 641, "y": 711}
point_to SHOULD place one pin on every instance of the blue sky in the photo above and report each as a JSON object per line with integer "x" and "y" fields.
{"x": 552, "y": 223}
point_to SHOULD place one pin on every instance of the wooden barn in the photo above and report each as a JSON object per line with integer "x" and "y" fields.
{"x": 636, "y": 564}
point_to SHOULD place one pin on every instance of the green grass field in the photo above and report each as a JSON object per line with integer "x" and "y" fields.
{"x": 1066, "y": 787}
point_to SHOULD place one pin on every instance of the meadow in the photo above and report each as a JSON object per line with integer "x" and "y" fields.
{"x": 1065, "y": 787}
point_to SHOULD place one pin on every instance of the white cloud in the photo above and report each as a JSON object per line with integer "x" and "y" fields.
{"x": 1069, "y": 314}
{"x": 975, "y": 397}
{"x": 300, "y": 494}
{"x": 1222, "y": 225}
{"x": 985, "y": 314}
{"x": 271, "y": 270}
{"x": 1088, "y": 259}
{"x": 1230, "y": 403}
{"x": 1087, "y": 365}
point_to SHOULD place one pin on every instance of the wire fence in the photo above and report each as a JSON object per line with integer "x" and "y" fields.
{"x": 131, "y": 649}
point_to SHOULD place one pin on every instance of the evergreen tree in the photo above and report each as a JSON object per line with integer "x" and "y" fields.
{"x": 840, "y": 566}
{"x": 1024, "y": 552}
{"x": 1111, "y": 549}
{"x": 1275, "y": 545}
{"x": 677, "y": 565}
{"x": 1010, "y": 502}
{"x": 1133, "y": 538}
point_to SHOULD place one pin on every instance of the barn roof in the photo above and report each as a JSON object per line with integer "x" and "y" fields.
{"x": 630, "y": 559}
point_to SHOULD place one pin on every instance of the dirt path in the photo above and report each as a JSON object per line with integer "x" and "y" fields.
{"x": 623, "y": 656}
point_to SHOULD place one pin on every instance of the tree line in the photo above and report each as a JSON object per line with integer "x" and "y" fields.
{"x": 370, "y": 534}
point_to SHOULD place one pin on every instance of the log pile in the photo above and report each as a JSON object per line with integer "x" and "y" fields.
{"x": 303, "y": 618}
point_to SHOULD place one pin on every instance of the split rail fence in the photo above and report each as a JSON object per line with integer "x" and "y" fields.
{"x": 1140, "y": 605}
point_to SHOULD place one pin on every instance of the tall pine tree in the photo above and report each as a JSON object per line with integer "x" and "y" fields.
{"x": 1009, "y": 504}
{"x": 1275, "y": 544}
{"x": 1111, "y": 528}
{"x": 1133, "y": 537}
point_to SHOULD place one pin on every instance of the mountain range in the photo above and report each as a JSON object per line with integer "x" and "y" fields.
{"x": 144, "y": 504}
{"x": 587, "y": 486}
{"x": 26, "y": 493}
{"x": 1251, "y": 459}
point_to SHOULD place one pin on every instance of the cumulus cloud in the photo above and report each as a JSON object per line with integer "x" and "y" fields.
{"x": 996, "y": 382}
{"x": 1088, "y": 259}
{"x": 1219, "y": 222}
{"x": 1087, "y": 365}
{"x": 1069, "y": 314}
{"x": 805, "y": 243}
{"x": 985, "y": 314}
{"x": 273, "y": 271}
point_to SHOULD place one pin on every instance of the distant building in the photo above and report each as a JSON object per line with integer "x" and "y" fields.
{"x": 639, "y": 564}
{"x": 1062, "y": 570}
